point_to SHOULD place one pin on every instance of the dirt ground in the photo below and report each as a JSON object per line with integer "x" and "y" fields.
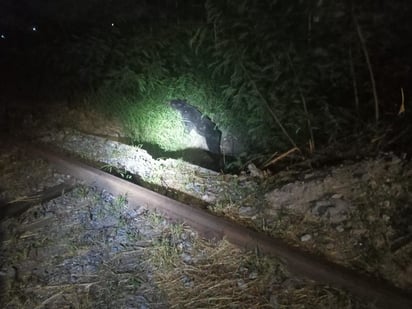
{"x": 90, "y": 249}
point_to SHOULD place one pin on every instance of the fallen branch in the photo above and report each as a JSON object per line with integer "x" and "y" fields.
{"x": 280, "y": 157}
{"x": 22, "y": 204}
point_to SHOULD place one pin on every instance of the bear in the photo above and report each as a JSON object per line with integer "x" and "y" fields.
{"x": 203, "y": 125}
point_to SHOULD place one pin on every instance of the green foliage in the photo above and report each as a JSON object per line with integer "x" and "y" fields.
{"x": 146, "y": 115}
{"x": 269, "y": 72}
{"x": 120, "y": 202}
{"x": 122, "y": 172}
{"x": 265, "y": 59}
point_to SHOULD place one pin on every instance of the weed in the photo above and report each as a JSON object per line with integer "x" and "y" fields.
{"x": 82, "y": 191}
{"x": 111, "y": 169}
{"x": 155, "y": 219}
{"x": 119, "y": 202}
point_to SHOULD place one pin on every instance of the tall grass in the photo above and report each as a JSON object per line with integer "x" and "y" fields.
{"x": 274, "y": 74}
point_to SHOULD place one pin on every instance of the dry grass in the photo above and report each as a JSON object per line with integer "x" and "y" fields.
{"x": 219, "y": 275}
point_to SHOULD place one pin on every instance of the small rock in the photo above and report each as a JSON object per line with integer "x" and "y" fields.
{"x": 187, "y": 282}
{"x": 243, "y": 270}
{"x": 241, "y": 284}
{"x": 340, "y": 228}
{"x": 333, "y": 210}
{"x": 208, "y": 198}
{"x": 386, "y": 218}
{"x": 310, "y": 176}
{"x": 321, "y": 207}
{"x": 247, "y": 212}
{"x": 187, "y": 258}
{"x": 253, "y": 275}
{"x": 132, "y": 213}
{"x": 254, "y": 171}
{"x": 305, "y": 237}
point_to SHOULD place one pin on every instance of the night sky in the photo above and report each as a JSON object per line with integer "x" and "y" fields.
{"x": 29, "y": 24}
{"x": 71, "y": 14}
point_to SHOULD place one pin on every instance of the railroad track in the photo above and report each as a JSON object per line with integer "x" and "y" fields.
{"x": 298, "y": 262}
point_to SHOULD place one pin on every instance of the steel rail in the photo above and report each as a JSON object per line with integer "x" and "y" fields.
{"x": 379, "y": 293}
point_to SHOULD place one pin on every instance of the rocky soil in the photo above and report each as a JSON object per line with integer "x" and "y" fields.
{"x": 89, "y": 249}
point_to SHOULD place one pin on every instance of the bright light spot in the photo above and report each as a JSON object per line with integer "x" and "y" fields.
{"x": 34, "y": 28}
{"x": 196, "y": 140}
{"x": 112, "y": 24}
{"x": 3, "y": 36}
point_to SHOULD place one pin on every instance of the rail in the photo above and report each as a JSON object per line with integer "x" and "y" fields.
{"x": 301, "y": 263}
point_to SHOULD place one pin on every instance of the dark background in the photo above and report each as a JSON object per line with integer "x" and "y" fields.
{"x": 288, "y": 51}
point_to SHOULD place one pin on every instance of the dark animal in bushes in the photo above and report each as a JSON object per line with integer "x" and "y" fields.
{"x": 194, "y": 120}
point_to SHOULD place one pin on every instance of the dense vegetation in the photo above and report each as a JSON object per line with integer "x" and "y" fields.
{"x": 276, "y": 74}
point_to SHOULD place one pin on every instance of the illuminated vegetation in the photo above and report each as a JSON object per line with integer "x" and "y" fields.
{"x": 274, "y": 74}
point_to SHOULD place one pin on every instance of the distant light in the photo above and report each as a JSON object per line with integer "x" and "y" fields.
{"x": 34, "y": 28}
{"x": 112, "y": 24}
{"x": 2, "y": 36}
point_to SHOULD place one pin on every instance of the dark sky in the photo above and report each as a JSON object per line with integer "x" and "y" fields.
{"x": 20, "y": 14}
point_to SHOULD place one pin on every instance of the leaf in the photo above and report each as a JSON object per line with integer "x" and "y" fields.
{"x": 268, "y": 67}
